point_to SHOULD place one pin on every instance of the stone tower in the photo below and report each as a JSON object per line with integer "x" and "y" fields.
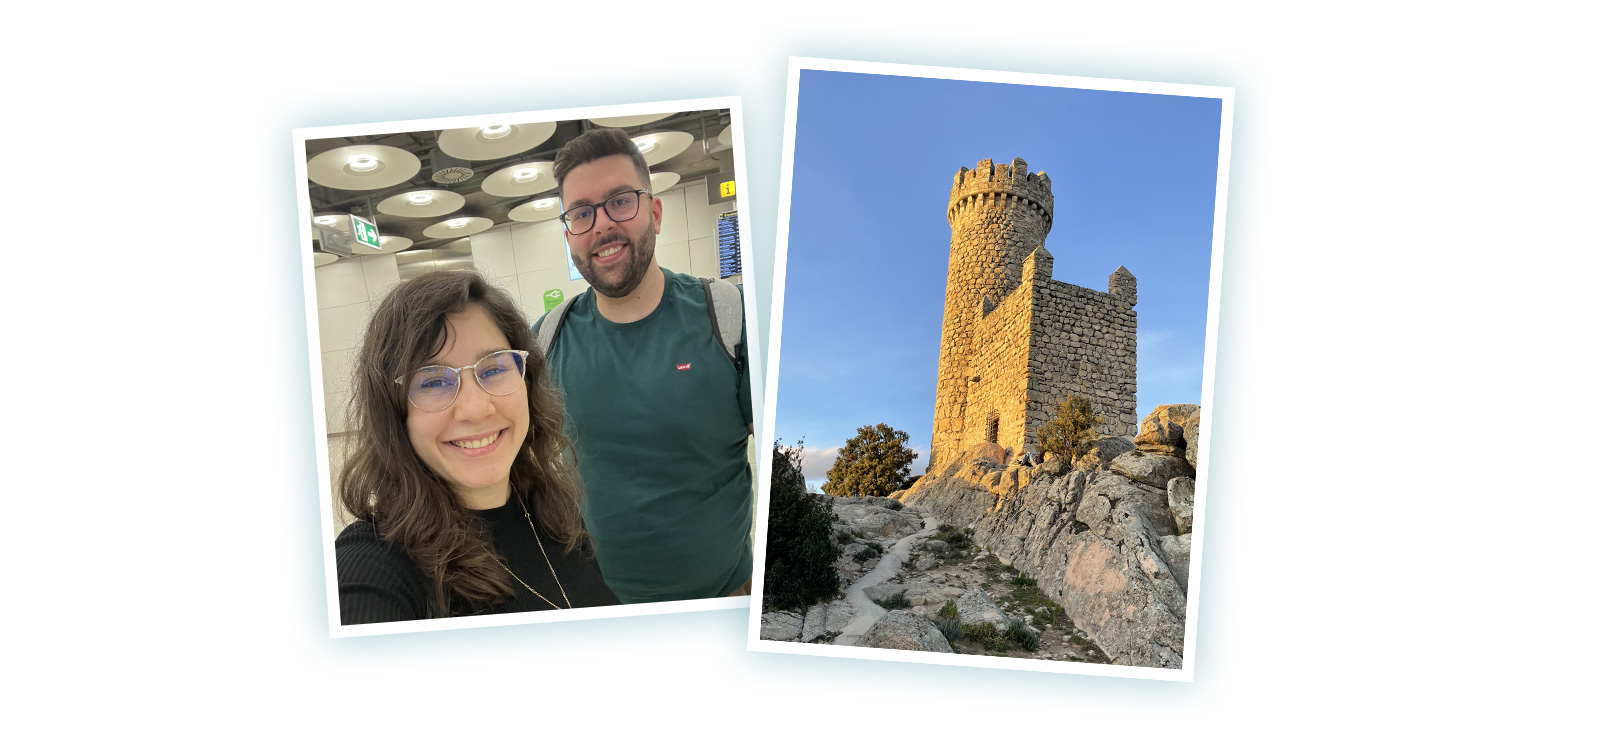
{"x": 1014, "y": 340}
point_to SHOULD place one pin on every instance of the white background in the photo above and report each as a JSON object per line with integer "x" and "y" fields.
{"x": 1401, "y": 446}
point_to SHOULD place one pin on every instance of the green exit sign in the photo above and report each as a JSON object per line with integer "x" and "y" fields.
{"x": 365, "y": 232}
{"x": 553, "y": 298}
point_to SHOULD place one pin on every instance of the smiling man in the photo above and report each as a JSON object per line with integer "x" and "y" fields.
{"x": 658, "y": 404}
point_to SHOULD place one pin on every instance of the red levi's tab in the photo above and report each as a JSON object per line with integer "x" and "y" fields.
{"x": 682, "y": 367}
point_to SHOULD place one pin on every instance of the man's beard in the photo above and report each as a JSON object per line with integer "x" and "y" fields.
{"x": 640, "y": 254}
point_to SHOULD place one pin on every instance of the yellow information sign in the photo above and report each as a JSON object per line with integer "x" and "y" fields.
{"x": 727, "y": 189}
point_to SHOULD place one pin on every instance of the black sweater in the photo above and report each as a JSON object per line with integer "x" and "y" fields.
{"x": 379, "y": 583}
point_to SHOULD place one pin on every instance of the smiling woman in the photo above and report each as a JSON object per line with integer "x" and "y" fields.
{"x": 465, "y": 499}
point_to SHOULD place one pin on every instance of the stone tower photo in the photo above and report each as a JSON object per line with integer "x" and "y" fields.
{"x": 1015, "y": 341}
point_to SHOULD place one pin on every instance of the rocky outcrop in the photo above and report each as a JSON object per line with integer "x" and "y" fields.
{"x": 1149, "y": 469}
{"x": 908, "y": 631}
{"x": 1109, "y": 545}
{"x": 780, "y": 626}
{"x": 975, "y": 607}
{"x": 1102, "y": 452}
{"x": 1180, "y": 500}
{"x": 917, "y": 593}
{"x": 1166, "y": 430}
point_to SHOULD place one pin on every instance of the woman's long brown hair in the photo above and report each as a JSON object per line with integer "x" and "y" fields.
{"x": 384, "y": 481}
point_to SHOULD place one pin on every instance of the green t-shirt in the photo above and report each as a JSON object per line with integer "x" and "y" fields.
{"x": 659, "y": 418}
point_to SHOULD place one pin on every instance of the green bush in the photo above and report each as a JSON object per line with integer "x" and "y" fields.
{"x": 1071, "y": 428}
{"x": 874, "y": 462}
{"x": 982, "y": 633}
{"x": 950, "y": 627}
{"x": 1022, "y": 579}
{"x": 1019, "y": 633}
{"x": 949, "y": 610}
{"x": 956, "y": 538}
{"x": 873, "y": 550}
{"x": 800, "y": 545}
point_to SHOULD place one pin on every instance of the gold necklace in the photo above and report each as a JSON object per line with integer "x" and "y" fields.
{"x": 540, "y": 543}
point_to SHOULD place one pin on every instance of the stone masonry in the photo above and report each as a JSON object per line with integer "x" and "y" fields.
{"x": 1015, "y": 341}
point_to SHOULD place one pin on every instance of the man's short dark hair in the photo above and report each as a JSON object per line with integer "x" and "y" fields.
{"x": 593, "y": 145}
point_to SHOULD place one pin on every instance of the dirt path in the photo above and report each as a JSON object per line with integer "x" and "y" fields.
{"x": 867, "y": 612}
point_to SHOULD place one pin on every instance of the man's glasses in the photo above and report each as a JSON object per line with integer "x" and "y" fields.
{"x": 619, "y": 207}
{"x": 434, "y": 388}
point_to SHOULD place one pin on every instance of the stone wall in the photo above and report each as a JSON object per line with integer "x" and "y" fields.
{"x": 1086, "y": 343}
{"x": 997, "y": 372}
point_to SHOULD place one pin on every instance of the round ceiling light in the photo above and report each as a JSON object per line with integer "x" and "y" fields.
{"x": 629, "y": 121}
{"x": 537, "y": 210}
{"x": 363, "y": 162}
{"x": 458, "y": 227}
{"x": 362, "y": 167}
{"x": 662, "y": 181}
{"x": 326, "y": 220}
{"x": 422, "y": 203}
{"x": 386, "y": 244}
{"x": 521, "y": 179}
{"x": 662, "y": 146}
{"x": 491, "y": 143}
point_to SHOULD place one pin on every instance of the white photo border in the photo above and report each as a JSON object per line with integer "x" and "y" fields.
{"x": 753, "y": 332}
{"x": 1213, "y": 309}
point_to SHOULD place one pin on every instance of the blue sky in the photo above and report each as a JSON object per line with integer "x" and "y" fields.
{"x": 1134, "y": 177}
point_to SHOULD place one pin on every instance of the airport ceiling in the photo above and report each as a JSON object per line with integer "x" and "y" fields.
{"x": 708, "y": 152}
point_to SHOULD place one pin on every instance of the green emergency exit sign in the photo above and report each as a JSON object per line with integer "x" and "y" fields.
{"x": 365, "y": 232}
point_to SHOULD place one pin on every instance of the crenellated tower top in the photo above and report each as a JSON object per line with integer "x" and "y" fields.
{"x": 990, "y": 183}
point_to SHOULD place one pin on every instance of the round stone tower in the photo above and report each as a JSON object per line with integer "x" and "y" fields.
{"x": 998, "y": 214}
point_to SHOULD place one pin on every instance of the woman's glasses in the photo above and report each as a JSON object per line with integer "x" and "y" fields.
{"x": 434, "y": 388}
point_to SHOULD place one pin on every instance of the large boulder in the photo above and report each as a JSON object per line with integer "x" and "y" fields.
{"x": 1109, "y": 594}
{"x": 1191, "y": 435}
{"x": 1180, "y": 500}
{"x": 1106, "y": 493}
{"x": 780, "y": 626}
{"x": 1176, "y": 549}
{"x": 887, "y": 523}
{"x": 840, "y": 613}
{"x": 1165, "y": 431}
{"x": 1151, "y": 469}
{"x": 908, "y": 631}
{"x": 1102, "y": 452}
{"x": 815, "y": 624}
{"x": 975, "y": 607}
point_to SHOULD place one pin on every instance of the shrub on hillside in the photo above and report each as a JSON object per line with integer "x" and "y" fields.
{"x": 800, "y": 545}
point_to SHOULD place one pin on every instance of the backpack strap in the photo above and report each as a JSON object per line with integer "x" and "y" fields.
{"x": 725, "y": 303}
{"x": 544, "y": 335}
